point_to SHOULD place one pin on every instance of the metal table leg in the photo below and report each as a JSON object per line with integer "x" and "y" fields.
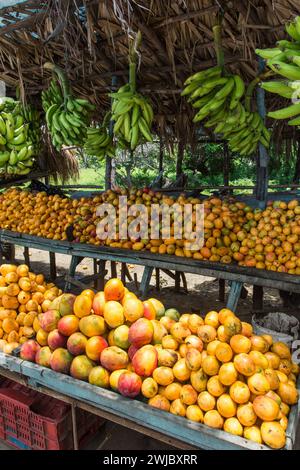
{"x": 234, "y": 295}
{"x": 145, "y": 282}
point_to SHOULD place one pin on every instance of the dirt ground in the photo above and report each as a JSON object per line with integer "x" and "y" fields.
{"x": 202, "y": 296}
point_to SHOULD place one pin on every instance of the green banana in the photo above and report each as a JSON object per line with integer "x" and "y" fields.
{"x": 204, "y": 74}
{"x": 278, "y": 87}
{"x": 285, "y": 113}
{"x": 286, "y": 70}
{"x": 292, "y": 31}
{"x": 268, "y": 53}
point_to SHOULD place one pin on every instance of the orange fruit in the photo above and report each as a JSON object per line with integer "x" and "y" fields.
{"x": 224, "y": 352}
{"x": 133, "y": 309}
{"x": 114, "y": 289}
{"x": 213, "y": 419}
{"x": 113, "y": 314}
{"x": 160, "y": 402}
{"x": 206, "y": 401}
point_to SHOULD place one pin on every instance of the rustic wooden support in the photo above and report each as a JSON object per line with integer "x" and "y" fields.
{"x": 145, "y": 282}
{"x": 221, "y": 290}
{"x": 113, "y": 268}
{"x": 157, "y": 279}
{"x": 108, "y": 160}
{"x": 52, "y": 260}
{"x": 177, "y": 281}
{"x": 101, "y": 274}
{"x": 226, "y": 164}
{"x": 123, "y": 273}
{"x": 234, "y": 295}
{"x": 258, "y": 298}
{"x": 262, "y": 176}
{"x": 74, "y": 427}
{"x": 26, "y": 256}
{"x": 75, "y": 260}
{"x": 184, "y": 283}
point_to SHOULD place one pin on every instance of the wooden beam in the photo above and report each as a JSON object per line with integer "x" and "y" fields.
{"x": 185, "y": 16}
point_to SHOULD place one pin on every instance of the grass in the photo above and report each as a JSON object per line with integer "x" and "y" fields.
{"x": 89, "y": 176}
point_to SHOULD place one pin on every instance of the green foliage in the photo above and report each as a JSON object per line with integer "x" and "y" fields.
{"x": 204, "y": 166}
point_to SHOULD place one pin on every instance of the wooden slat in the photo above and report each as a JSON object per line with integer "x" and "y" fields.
{"x": 229, "y": 272}
{"x": 195, "y": 434}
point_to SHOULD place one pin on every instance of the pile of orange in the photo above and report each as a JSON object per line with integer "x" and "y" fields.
{"x": 23, "y": 295}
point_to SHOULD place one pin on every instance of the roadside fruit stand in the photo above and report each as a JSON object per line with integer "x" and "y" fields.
{"x": 193, "y": 381}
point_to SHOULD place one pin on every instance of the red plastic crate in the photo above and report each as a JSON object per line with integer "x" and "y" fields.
{"x": 31, "y": 420}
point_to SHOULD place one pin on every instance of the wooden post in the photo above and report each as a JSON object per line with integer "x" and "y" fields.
{"x": 226, "y": 164}
{"x": 108, "y": 161}
{"x": 262, "y": 177}
{"x": 180, "y": 153}
{"x": 221, "y": 290}
{"x": 161, "y": 162}
{"x": 258, "y": 298}
{"x": 26, "y": 256}
{"x": 52, "y": 266}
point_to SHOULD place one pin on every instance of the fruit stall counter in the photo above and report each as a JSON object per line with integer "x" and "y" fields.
{"x": 236, "y": 275}
{"x": 134, "y": 414}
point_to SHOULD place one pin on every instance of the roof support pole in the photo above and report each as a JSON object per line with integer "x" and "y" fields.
{"x": 108, "y": 161}
{"x": 262, "y": 173}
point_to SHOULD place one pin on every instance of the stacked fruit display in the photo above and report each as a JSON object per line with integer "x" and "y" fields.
{"x": 19, "y": 138}
{"x": 67, "y": 117}
{"x": 211, "y": 370}
{"x": 233, "y": 232}
{"x": 284, "y": 60}
{"x": 23, "y": 295}
{"x": 37, "y": 214}
{"x": 271, "y": 238}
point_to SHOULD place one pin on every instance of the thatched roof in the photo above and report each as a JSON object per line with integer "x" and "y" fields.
{"x": 90, "y": 39}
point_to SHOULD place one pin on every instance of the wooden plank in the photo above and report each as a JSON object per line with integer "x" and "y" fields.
{"x": 145, "y": 282}
{"x": 155, "y": 434}
{"x": 230, "y": 272}
{"x": 234, "y": 295}
{"x": 194, "y": 434}
{"x": 221, "y": 290}
{"x": 258, "y": 298}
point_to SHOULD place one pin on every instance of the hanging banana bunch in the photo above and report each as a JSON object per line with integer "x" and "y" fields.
{"x": 16, "y": 147}
{"x": 99, "y": 143}
{"x": 284, "y": 60}
{"x": 67, "y": 117}
{"x": 131, "y": 111}
{"x": 217, "y": 98}
{"x": 32, "y": 117}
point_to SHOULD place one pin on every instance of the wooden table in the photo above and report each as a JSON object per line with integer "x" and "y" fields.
{"x": 134, "y": 414}
{"x": 236, "y": 275}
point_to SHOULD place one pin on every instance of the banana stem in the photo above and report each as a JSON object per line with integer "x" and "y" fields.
{"x": 217, "y": 32}
{"x": 251, "y": 86}
{"x": 63, "y": 80}
{"x": 132, "y": 76}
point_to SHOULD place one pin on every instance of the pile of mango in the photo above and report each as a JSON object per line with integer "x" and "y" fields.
{"x": 233, "y": 232}
{"x": 23, "y": 295}
{"x": 210, "y": 369}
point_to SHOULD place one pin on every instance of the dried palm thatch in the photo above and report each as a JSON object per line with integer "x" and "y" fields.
{"x": 89, "y": 38}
